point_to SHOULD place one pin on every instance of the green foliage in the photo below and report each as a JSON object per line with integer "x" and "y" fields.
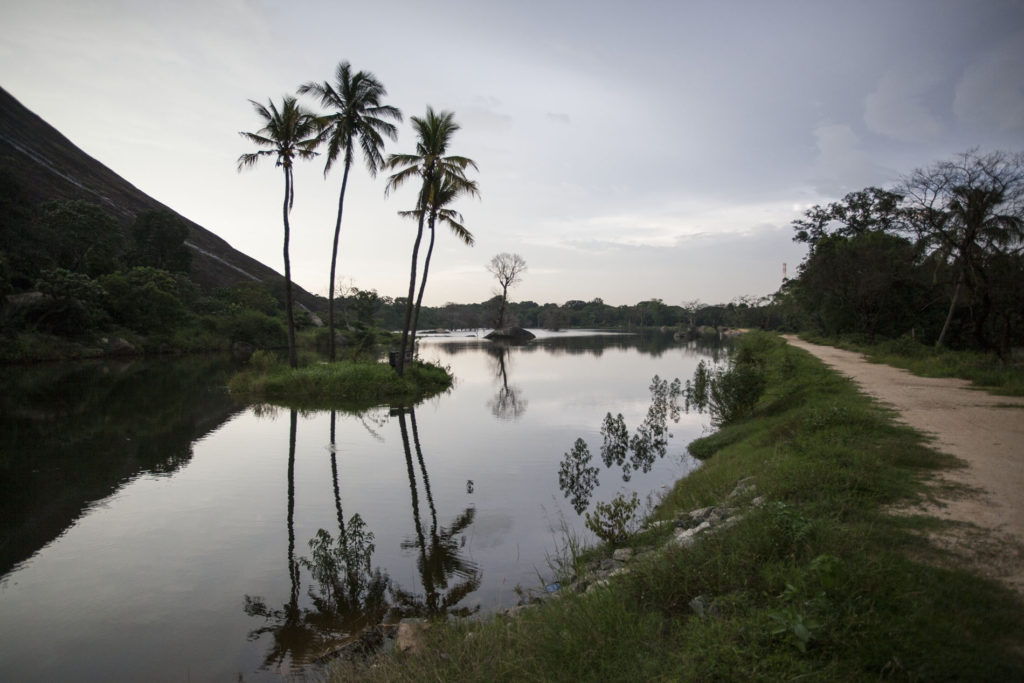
{"x": 258, "y": 329}
{"x": 612, "y": 522}
{"x": 730, "y": 392}
{"x": 254, "y": 295}
{"x": 159, "y": 238}
{"x": 82, "y": 237}
{"x": 147, "y": 299}
{"x": 344, "y": 385}
{"x": 72, "y": 303}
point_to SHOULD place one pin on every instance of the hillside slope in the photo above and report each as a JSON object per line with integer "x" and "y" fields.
{"x": 51, "y": 167}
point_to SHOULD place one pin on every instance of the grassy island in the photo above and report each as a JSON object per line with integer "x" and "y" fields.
{"x": 344, "y": 384}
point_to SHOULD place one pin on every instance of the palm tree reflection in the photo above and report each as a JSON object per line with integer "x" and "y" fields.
{"x": 349, "y": 597}
{"x": 439, "y": 561}
{"x": 508, "y": 403}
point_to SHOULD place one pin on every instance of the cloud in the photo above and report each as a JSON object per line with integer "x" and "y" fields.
{"x": 991, "y": 91}
{"x": 895, "y": 108}
{"x": 842, "y": 164}
{"x": 558, "y": 118}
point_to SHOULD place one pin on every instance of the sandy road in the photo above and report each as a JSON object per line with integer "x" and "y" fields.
{"x": 985, "y": 431}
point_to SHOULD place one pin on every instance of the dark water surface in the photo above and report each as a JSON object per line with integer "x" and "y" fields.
{"x": 152, "y": 529}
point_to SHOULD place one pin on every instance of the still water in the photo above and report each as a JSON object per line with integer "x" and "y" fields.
{"x": 153, "y": 529}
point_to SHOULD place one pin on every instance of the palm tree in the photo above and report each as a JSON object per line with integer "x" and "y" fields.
{"x": 357, "y": 115}
{"x": 442, "y": 194}
{"x": 434, "y": 169}
{"x": 289, "y": 133}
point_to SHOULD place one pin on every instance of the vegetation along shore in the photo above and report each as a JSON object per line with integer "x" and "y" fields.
{"x": 812, "y": 575}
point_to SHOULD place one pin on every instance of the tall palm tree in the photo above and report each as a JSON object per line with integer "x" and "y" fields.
{"x": 433, "y": 167}
{"x": 357, "y": 115}
{"x": 288, "y": 133}
{"x": 442, "y": 194}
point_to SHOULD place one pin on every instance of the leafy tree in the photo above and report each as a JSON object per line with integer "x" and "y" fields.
{"x": 431, "y": 164}
{"x": 72, "y": 303}
{"x": 288, "y": 133}
{"x": 147, "y": 299}
{"x": 508, "y": 270}
{"x": 868, "y": 283}
{"x": 869, "y": 210}
{"x": 967, "y": 211}
{"x": 160, "y": 241}
{"x": 83, "y": 237}
{"x": 357, "y": 116}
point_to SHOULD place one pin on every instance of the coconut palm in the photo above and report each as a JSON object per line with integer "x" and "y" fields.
{"x": 442, "y": 194}
{"x": 430, "y": 164}
{"x": 288, "y": 133}
{"x": 356, "y": 115}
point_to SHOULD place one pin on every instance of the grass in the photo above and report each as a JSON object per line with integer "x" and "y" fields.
{"x": 984, "y": 370}
{"x": 818, "y": 583}
{"x": 346, "y": 385}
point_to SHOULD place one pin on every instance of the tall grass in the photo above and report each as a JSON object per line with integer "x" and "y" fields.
{"x": 343, "y": 384}
{"x": 819, "y": 582}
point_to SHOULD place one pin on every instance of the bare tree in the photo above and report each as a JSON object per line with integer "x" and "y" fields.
{"x": 508, "y": 270}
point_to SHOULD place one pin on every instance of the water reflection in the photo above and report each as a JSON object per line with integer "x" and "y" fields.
{"x": 577, "y": 478}
{"x": 350, "y": 593}
{"x": 440, "y": 559}
{"x": 509, "y": 403}
{"x": 73, "y": 433}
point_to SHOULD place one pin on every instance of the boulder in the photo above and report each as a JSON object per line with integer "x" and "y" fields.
{"x": 514, "y": 334}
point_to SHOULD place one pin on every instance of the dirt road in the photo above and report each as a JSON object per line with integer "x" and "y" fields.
{"x": 983, "y": 430}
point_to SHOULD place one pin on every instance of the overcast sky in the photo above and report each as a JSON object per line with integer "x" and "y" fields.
{"x": 627, "y": 150}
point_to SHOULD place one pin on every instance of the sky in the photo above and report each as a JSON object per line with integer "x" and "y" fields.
{"x": 626, "y": 150}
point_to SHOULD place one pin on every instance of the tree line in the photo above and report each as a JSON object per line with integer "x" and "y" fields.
{"x": 938, "y": 258}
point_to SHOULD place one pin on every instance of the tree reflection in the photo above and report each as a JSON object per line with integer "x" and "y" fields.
{"x": 447, "y": 577}
{"x": 508, "y": 403}
{"x": 578, "y": 479}
{"x": 292, "y": 635}
{"x": 350, "y": 594}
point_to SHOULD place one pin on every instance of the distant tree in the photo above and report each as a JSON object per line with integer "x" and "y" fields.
{"x": 159, "y": 238}
{"x": 434, "y": 168}
{"x": 356, "y": 116}
{"x": 288, "y": 133}
{"x": 969, "y": 211}
{"x": 508, "y": 270}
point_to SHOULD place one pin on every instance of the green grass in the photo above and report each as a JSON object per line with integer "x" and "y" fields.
{"x": 344, "y": 385}
{"x": 818, "y": 583}
{"x": 984, "y": 370}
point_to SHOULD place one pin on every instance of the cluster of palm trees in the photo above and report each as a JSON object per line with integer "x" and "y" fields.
{"x": 358, "y": 118}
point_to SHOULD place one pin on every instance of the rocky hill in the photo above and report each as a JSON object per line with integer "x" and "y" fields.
{"x": 51, "y": 167}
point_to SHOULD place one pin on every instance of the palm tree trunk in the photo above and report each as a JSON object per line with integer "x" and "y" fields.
{"x": 423, "y": 282}
{"x": 949, "y": 315}
{"x": 293, "y": 566}
{"x": 412, "y": 293}
{"x": 334, "y": 263}
{"x": 289, "y": 191}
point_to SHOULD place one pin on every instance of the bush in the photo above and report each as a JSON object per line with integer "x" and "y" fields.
{"x": 146, "y": 299}
{"x": 253, "y": 327}
{"x": 613, "y": 522}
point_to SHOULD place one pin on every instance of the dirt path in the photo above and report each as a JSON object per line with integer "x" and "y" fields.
{"x": 985, "y": 431}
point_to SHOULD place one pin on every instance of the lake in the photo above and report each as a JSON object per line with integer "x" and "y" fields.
{"x": 154, "y": 529}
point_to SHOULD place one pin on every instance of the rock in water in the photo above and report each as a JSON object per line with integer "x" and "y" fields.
{"x": 516, "y": 334}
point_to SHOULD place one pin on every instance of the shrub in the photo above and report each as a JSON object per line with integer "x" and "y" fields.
{"x": 613, "y": 522}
